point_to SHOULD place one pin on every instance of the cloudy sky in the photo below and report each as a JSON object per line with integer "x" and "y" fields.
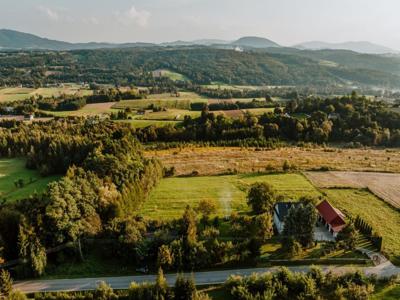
{"x": 285, "y": 21}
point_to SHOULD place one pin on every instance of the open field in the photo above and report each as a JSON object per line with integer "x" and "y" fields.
{"x": 87, "y": 110}
{"x": 163, "y": 100}
{"x": 219, "y": 160}
{"x": 173, "y": 75}
{"x": 145, "y": 123}
{"x": 169, "y": 199}
{"x": 385, "y": 186}
{"x": 169, "y": 114}
{"x": 12, "y": 170}
{"x": 224, "y": 86}
{"x": 380, "y": 215}
{"x": 16, "y": 94}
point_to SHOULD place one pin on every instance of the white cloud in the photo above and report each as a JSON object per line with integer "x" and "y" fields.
{"x": 133, "y": 16}
{"x": 51, "y": 14}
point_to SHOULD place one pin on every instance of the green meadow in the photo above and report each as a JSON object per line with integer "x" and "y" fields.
{"x": 13, "y": 170}
{"x": 169, "y": 199}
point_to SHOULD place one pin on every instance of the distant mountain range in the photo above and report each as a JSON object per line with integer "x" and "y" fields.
{"x": 11, "y": 39}
{"x": 361, "y": 47}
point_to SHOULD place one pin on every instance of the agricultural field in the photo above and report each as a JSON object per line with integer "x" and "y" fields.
{"x": 169, "y": 114}
{"x": 87, "y": 110}
{"x": 17, "y": 94}
{"x": 383, "y": 185}
{"x": 162, "y": 100}
{"x": 169, "y": 199}
{"x": 380, "y": 215}
{"x": 145, "y": 123}
{"x": 173, "y": 75}
{"x": 220, "y": 160}
{"x": 13, "y": 170}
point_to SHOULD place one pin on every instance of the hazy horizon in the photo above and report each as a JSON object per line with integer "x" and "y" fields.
{"x": 286, "y": 22}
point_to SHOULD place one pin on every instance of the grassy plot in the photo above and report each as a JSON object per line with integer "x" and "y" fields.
{"x": 87, "y": 110}
{"x": 169, "y": 114}
{"x": 145, "y": 123}
{"x": 162, "y": 100}
{"x": 17, "y": 93}
{"x": 12, "y": 170}
{"x": 173, "y": 75}
{"x": 380, "y": 215}
{"x": 172, "y": 195}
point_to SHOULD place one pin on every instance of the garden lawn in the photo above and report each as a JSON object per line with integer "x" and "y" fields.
{"x": 169, "y": 199}
{"x": 12, "y": 170}
{"x": 380, "y": 215}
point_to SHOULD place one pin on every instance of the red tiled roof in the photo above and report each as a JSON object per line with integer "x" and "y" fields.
{"x": 331, "y": 215}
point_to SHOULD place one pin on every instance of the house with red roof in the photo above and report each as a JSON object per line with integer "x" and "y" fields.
{"x": 332, "y": 218}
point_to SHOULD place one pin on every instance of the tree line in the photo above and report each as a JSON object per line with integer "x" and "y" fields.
{"x": 351, "y": 119}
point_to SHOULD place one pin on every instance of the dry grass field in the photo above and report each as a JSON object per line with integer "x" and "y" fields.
{"x": 383, "y": 185}
{"x": 219, "y": 160}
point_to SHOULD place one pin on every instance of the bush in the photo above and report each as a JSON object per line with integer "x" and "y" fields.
{"x": 17, "y": 295}
{"x": 5, "y": 283}
{"x": 104, "y": 292}
{"x": 185, "y": 288}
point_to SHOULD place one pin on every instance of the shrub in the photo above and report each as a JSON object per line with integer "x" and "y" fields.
{"x": 185, "y": 288}
{"x": 5, "y": 283}
{"x": 17, "y": 295}
{"x": 104, "y": 292}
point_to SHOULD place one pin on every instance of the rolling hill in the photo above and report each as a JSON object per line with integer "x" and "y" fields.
{"x": 254, "y": 42}
{"x": 11, "y": 39}
{"x": 361, "y": 47}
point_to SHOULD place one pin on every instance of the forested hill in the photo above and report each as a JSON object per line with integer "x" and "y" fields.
{"x": 201, "y": 65}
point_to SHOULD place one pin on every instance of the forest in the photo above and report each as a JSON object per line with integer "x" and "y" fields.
{"x": 105, "y": 179}
{"x": 201, "y": 65}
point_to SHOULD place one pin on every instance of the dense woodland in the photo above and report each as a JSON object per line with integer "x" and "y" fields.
{"x": 105, "y": 179}
{"x": 349, "y": 119}
{"x": 201, "y": 65}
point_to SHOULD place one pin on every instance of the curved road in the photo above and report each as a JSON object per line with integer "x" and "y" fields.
{"x": 202, "y": 278}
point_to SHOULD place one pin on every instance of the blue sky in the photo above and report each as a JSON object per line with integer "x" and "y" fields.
{"x": 285, "y": 21}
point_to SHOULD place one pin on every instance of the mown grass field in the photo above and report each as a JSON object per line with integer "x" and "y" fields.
{"x": 17, "y": 94}
{"x": 173, "y": 75}
{"x": 380, "y": 215}
{"x": 169, "y": 199}
{"x": 162, "y": 100}
{"x": 87, "y": 110}
{"x": 145, "y": 123}
{"x": 12, "y": 170}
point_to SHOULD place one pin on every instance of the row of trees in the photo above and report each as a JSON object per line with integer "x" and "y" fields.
{"x": 345, "y": 119}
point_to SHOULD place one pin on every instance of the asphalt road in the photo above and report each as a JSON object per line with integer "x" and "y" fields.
{"x": 201, "y": 278}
